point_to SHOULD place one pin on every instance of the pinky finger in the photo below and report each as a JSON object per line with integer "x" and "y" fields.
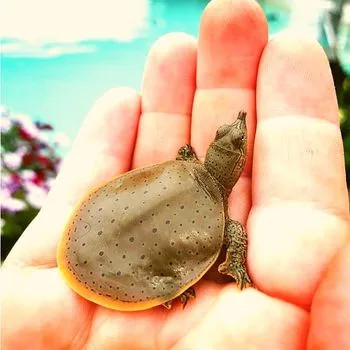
{"x": 330, "y": 310}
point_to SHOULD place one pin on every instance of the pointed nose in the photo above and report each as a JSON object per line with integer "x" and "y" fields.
{"x": 242, "y": 115}
{"x": 241, "y": 119}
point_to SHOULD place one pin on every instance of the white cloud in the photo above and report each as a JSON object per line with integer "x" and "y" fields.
{"x": 19, "y": 49}
{"x": 28, "y": 26}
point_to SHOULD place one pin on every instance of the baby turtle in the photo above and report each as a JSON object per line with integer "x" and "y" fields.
{"x": 145, "y": 237}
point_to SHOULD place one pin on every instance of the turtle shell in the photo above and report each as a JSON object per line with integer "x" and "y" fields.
{"x": 143, "y": 238}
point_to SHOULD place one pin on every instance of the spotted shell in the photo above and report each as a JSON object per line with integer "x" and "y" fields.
{"x": 143, "y": 238}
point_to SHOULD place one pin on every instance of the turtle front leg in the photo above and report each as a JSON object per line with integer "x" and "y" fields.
{"x": 235, "y": 264}
{"x": 187, "y": 153}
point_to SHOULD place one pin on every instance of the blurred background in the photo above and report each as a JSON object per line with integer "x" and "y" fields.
{"x": 58, "y": 57}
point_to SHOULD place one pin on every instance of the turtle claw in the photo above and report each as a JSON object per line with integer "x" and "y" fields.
{"x": 239, "y": 274}
{"x": 184, "y": 298}
{"x": 223, "y": 268}
{"x": 167, "y": 304}
{"x": 186, "y": 295}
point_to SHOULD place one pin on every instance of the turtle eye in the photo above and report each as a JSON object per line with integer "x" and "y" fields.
{"x": 238, "y": 139}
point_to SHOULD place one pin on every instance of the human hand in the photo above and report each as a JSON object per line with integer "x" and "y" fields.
{"x": 292, "y": 197}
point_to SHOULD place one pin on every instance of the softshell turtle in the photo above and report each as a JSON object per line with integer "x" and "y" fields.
{"x": 145, "y": 237}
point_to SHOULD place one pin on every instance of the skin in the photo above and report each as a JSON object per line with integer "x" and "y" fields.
{"x": 292, "y": 196}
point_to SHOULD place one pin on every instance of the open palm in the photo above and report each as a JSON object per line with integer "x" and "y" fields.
{"x": 292, "y": 197}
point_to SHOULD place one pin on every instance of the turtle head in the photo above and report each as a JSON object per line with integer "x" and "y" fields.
{"x": 226, "y": 156}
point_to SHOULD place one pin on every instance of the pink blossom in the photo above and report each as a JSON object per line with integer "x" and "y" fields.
{"x": 12, "y": 204}
{"x": 10, "y": 183}
{"x": 5, "y": 121}
{"x": 5, "y": 180}
{"x": 5, "y": 194}
{"x": 12, "y": 160}
{"x": 28, "y": 175}
{"x": 36, "y": 195}
{"x": 27, "y": 124}
{"x": 30, "y": 128}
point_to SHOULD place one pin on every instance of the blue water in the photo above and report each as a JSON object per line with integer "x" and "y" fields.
{"x": 61, "y": 90}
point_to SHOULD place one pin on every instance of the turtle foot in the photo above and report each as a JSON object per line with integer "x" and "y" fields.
{"x": 184, "y": 298}
{"x": 239, "y": 274}
{"x": 187, "y": 153}
{"x": 235, "y": 264}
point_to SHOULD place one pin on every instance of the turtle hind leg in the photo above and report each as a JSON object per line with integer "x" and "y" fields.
{"x": 184, "y": 297}
{"x": 235, "y": 264}
{"x": 187, "y": 153}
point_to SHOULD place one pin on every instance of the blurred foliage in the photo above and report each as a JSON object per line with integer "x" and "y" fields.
{"x": 344, "y": 107}
{"x": 29, "y": 163}
{"x": 342, "y": 86}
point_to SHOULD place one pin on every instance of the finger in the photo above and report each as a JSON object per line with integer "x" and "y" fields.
{"x": 103, "y": 149}
{"x": 330, "y": 311}
{"x": 300, "y": 207}
{"x": 232, "y": 36}
{"x": 167, "y": 95}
